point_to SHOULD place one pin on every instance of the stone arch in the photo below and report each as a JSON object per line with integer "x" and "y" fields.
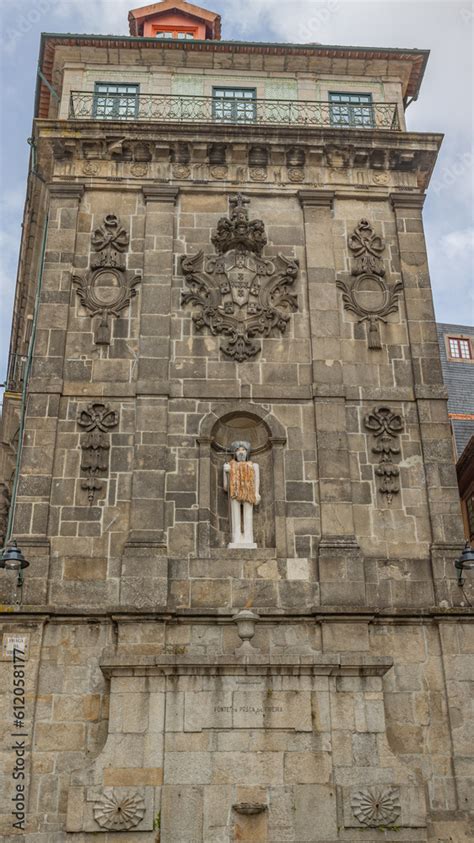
{"x": 225, "y": 423}
{"x": 275, "y": 428}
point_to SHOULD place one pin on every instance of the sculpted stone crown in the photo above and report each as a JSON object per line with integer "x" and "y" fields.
{"x": 237, "y": 231}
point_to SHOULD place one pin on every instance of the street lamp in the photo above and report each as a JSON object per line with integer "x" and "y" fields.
{"x": 12, "y": 559}
{"x": 465, "y": 562}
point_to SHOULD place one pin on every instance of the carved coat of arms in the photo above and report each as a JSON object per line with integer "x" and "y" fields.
{"x": 369, "y": 295}
{"x": 237, "y": 292}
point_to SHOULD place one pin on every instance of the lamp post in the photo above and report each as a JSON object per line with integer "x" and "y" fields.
{"x": 12, "y": 559}
{"x": 464, "y": 563}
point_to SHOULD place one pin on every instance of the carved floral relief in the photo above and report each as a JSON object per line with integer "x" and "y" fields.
{"x": 369, "y": 295}
{"x": 119, "y": 810}
{"x": 376, "y": 806}
{"x": 96, "y": 420}
{"x": 237, "y": 292}
{"x": 107, "y": 288}
{"x": 386, "y": 427}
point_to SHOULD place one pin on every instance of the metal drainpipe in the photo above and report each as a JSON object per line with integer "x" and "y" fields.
{"x": 29, "y": 360}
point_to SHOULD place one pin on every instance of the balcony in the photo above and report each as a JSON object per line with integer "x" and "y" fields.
{"x": 170, "y": 108}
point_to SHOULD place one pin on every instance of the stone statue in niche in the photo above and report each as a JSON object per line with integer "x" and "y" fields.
{"x": 242, "y": 483}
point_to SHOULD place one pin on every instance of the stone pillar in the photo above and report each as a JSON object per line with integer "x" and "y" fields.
{"x": 430, "y": 395}
{"x": 278, "y": 444}
{"x": 31, "y": 519}
{"x": 143, "y": 562}
{"x": 340, "y": 566}
{"x": 204, "y": 496}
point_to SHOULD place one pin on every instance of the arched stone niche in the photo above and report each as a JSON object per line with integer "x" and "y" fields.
{"x": 267, "y": 438}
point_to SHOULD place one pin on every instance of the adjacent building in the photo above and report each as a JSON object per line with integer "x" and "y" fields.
{"x": 226, "y": 453}
{"x": 456, "y": 345}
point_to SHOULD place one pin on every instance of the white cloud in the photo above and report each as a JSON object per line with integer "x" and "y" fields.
{"x": 459, "y": 243}
{"x": 451, "y": 259}
{"x": 103, "y": 16}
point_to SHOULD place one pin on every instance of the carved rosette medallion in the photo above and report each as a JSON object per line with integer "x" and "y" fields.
{"x": 107, "y": 288}
{"x": 386, "y": 427}
{"x": 90, "y": 168}
{"x": 258, "y": 174}
{"x": 119, "y": 810}
{"x": 219, "y": 171}
{"x": 181, "y": 171}
{"x": 237, "y": 292}
{"x": 96, "y": 420}
{"x": 369, "y": 295}
{"x": 296, "y": 174}
{"x": 139, "y": 169}
{"x": 376, "y": 806}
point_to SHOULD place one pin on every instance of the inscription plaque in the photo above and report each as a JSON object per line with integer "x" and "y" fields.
{"x": 247, "y": 709}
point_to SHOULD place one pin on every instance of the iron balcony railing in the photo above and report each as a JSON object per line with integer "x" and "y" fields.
{"x": 171, "y": 108}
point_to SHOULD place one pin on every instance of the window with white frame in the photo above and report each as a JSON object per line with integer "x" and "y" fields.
{"x": 353, "y": 110}
{"x": 234, "y": 105}
{"x": 459, "y": 348}
{"x": 115, "y": 101}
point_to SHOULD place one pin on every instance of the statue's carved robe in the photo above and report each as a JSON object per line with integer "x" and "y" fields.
{"x": 242, "y": 482}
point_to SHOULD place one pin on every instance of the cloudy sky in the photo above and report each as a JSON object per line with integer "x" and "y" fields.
{"x": 445, "y": 105}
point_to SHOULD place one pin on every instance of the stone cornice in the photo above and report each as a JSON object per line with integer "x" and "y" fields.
{"x": 73, "y": 131}
{"x": 316, "y": 198}
{"x": 66, "y": 190}
{"x": 15, "y": 613}
{"x": 407, "y": 200}
{"x": 144, "y": 151}
{"x": 113, "y": 663}
{"x": 160, "y": 193}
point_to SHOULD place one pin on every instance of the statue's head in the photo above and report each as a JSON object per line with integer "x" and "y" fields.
{"x": 241, "y": 450}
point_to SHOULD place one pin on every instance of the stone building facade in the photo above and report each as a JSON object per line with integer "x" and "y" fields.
{"x": 456, "y": 348}
{"x": 197, "y": 269}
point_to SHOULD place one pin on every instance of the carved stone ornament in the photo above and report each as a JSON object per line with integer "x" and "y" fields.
{"x": 5, "y": 502}
{"x": 369, "y": 295}
{"x": 376, "y": 806}
{"x": 386, "y": 427}
{"x": 238, "y": 292}
{"x": 219, "y": 171}
{"x": 96, "y": 420}
{"x": 296, "y": 174}
{"x": 107, "y": 288}
{"x": 90, "y": 168}
{"x": 181, "y": 171}
{"x": 249, "y": 809}
{"x": 258, "y": 173}
{"x": 119, "y": 811}
{"x": 139, "y": 169}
